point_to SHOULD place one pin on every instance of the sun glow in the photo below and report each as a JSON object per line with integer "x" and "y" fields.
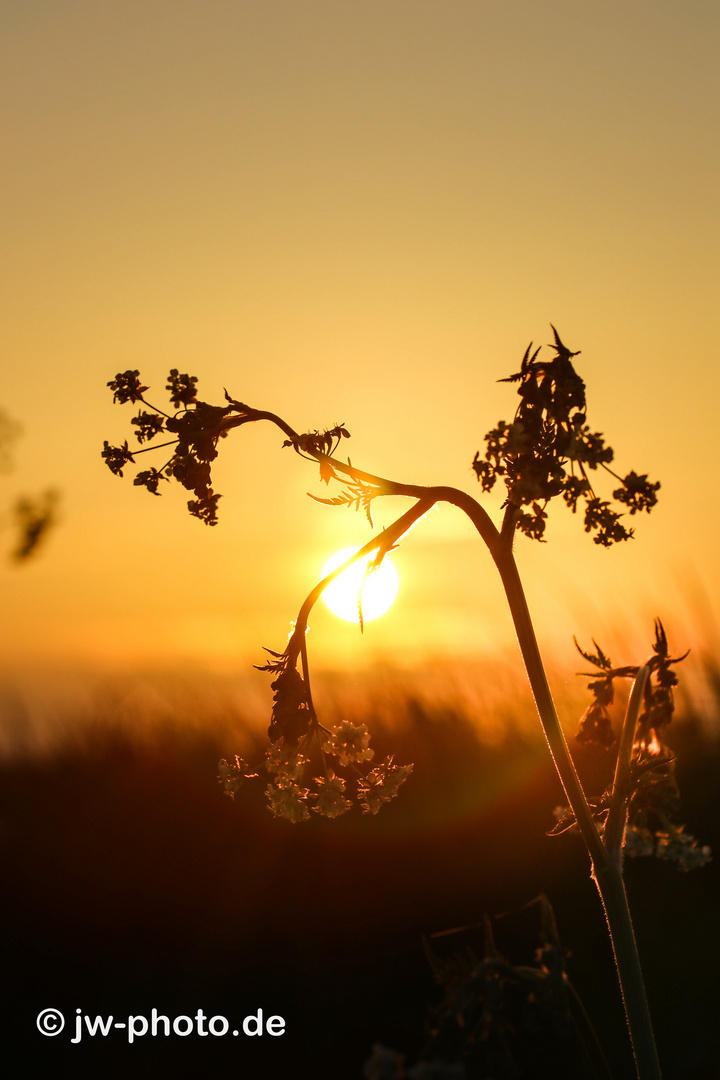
{"x": 379, "y": 587}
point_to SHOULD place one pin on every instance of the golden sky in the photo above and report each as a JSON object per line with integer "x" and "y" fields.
{"x": 356, "y": 211}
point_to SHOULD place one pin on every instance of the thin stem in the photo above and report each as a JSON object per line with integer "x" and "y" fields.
{"x": 477, "y": 514}
{"x": 157, "y": 446}
{"x": 386, "y": 539}
{"x": 306, "y": 677}
{"x": 609, "y": 470}
{"x": 155, "y": 408}
{"x": 621, "y": 792}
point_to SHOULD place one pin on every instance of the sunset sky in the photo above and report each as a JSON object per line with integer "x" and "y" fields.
{"x": 356, "y": 211}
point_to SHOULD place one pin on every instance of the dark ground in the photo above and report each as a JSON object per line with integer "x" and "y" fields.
{"x": 131, "y": 883}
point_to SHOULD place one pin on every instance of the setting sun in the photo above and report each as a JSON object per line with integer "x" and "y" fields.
{"x": 379, "y": 587}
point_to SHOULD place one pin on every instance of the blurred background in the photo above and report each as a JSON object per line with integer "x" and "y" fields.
{"x": 360, "y": 213}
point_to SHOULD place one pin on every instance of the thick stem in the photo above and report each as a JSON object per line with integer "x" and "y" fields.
{"x": 546, "y": 708}
{"x": 606, "y": 872}
{"x": 612, "y": 892}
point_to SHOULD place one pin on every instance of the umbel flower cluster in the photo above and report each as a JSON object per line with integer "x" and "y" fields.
{"x": 287, "y": 766}
{"x": 295, "y": 729}
{"x": 549, "y": 450}
{"x": 197, "y": 427}
{"x": 653, "y": 808}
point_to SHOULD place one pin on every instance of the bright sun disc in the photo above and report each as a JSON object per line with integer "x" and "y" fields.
{"x": 378, "y": 591}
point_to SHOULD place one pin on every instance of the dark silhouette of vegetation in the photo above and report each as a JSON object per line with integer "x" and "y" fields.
{"x": 547, "y": 451}
{"x": 30, "y": 517}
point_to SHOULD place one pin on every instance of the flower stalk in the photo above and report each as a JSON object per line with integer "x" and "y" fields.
{"x": 622, "y": 783}
{"x": 548, "y": 450}
{"x": 606, "y": 865}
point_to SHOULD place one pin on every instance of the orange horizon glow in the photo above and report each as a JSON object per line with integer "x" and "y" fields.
{"x": 359, "y": 214}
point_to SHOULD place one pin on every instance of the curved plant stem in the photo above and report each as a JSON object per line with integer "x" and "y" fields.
{"x": 385, "y": 540}
{"x": 617, "y": 816}
{"x": 546, "y": 708}
{"x": 606, "y": 872}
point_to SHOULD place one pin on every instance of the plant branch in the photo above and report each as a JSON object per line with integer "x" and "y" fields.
{"x": 386, "y": 540}
{"x": 621, "y": 791}
{"x": 429, "y": 495}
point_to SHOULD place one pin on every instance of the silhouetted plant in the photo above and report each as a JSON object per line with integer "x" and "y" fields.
{"x": 490, "y": 1000}
{"x": 547, "y": 451}
{"x": 30, "y": 517}
{"x": 646, "y": 779}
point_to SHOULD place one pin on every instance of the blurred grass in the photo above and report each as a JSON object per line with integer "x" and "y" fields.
{"x": 130, "y": 882}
